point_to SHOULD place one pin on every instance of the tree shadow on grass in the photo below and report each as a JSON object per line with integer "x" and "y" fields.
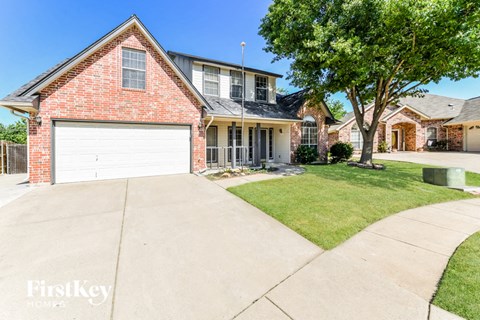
{"x": 395, "y": 177}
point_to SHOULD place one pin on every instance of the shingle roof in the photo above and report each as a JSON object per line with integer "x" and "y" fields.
{"x": 470, "y": 112}
{"x": 347, "y": 117}
{"x": 18, "y": 96}
{"x": 431, "y": 105}
{"x": 228, "y": 107}
{"x": 434, "y": 106}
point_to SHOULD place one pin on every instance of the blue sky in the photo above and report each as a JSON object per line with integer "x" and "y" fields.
{"x": 37, "y": 34}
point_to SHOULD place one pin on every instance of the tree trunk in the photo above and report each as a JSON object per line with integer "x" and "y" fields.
{"x": 367, "y": 151}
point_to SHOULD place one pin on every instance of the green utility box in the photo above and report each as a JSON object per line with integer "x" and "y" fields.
{"x": 449, "y": 177}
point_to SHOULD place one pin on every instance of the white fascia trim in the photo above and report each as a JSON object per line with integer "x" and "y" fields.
{"x": 227, "y": 117}
{"x": 344, "y": 124}
{"x": 133, "y": 21}
{"x": 402, "y": 108}
{"x": 7, "y": 104}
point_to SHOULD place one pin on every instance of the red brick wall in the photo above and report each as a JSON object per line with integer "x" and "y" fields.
{"x": 296, "y": 131}
{"x": 455, "y": 137}
{"x": 93, "y": 91}
{"x": 344, "y": 133}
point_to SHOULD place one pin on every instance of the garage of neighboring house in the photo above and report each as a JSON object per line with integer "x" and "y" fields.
{"x": 472, "y": 137}
{"x": 85, "y": 151}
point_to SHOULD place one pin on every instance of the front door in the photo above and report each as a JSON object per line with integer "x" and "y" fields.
{"x": 263, "y": 144}
{"x": 395, "y": 140}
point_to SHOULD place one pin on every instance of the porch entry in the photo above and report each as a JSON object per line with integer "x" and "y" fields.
{"x": 220, "y": 149}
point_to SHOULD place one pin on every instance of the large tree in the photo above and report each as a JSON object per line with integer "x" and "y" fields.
{"x": 375, "y": 51}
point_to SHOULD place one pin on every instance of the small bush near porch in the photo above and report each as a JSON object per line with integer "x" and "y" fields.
{"x": 330, "y": 203}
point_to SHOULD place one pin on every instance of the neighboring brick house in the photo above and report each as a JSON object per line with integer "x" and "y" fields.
{"x": 418, "y": 123}
{"x": 123, "y": 108}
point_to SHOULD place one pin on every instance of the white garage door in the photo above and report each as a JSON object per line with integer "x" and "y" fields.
{"x": 473, "y": 137}
{"x": 98, "y": 151}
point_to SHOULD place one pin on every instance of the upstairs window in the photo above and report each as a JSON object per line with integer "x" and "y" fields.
{"x": 261, "y": 88}
{"x": 133, "y": 69}
{"x": 211, "y": 82}
{"x": 236, "y": 86}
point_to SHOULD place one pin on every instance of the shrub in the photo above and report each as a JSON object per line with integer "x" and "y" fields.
{"x": 306, "y": 154}
{"x": 341, "y": 151}
{"x": 383, "y": 147}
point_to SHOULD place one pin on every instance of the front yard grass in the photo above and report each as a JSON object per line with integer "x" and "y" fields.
{"x": 328, "y": 204}
{"x": 459, "y": 290}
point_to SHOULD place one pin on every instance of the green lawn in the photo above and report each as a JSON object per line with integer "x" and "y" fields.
{"x": 330, "y": 203}
{"x": 459, "y": 290}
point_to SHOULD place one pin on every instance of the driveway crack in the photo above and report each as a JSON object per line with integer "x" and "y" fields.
{"x": 119, "y": 251}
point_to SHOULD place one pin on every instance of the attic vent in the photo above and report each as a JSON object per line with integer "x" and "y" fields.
{"x": 451, "y": 106}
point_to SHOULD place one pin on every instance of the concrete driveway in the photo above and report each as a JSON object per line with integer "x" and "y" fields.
{"x": 12, "y": 186}
{"x": 468, "y": 160}
{"x": 173, "y": 247}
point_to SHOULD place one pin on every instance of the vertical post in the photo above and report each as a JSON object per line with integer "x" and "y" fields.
{"x": 234, "y": 144}
{"x": 8, "y": 160}
{"x": 1, "y": 154}
{"x": 243, "y": 99}
{"x": 257, "y": 153}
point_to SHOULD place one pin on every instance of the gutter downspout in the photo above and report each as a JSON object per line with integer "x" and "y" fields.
{"x": 447, "y": 137}
{"x": 28, "y": 141}
{"x": 206, "y": 151}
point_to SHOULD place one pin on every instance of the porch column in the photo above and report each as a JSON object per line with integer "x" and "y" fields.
{"x": 234, "y": 144}
{"x": 256, "y": 149}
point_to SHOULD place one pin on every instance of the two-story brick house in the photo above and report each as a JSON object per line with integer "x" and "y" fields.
{"x": 123, "y": 107}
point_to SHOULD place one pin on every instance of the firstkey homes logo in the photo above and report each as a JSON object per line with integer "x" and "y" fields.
{"x": 44, "y": 294}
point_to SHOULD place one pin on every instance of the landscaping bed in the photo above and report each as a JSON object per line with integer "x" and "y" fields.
{"x": 329, "y": 204}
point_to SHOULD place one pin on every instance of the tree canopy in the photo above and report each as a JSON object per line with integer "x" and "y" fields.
{"x": 336, "y": 108}
{"x": 375, "y": 51}
{"x": 16, "y": 132}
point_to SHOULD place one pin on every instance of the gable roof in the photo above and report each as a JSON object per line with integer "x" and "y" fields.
{"x": 434, "y": 106}
{"x": 292, "y": 103}
{"x": 228, "y": 64}
{"x": 470, "y": 112}
{"x": 29, "y": 91}
{"x": 347, "y": 118}
{"x": 429, "y": 106}
{"x": 390, "y": 113}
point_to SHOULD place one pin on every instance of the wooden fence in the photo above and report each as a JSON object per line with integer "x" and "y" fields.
{"x": 13, "y": 158}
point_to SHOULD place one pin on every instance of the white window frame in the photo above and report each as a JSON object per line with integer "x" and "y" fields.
{"x": 427, "y": 139}
{"x": 356, "y": 143}
{"x": 242, "y": 83}
{"x": 310, "y": 131}
{"x": 261, "y": 88}
{"x": 217, "y": 82}
{"x": 124, "y": 49}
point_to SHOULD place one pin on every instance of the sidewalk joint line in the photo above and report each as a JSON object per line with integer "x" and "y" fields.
{"x": 279, "y": 283}
{"x": 434, "y": 225}
{"x": 290, "y": 317}
{"x": 118, "y": 254}
{"x": 410, "y": 244}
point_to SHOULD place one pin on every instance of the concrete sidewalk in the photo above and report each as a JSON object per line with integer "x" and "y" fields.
{"x": 388, "y": 271}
